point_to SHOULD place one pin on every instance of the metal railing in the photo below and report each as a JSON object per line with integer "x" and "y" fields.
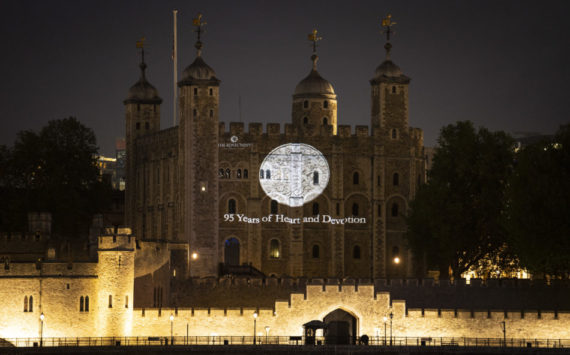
{"x": 378, "y": 341}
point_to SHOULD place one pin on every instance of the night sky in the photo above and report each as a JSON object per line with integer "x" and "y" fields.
{"x": 503, "y": 64}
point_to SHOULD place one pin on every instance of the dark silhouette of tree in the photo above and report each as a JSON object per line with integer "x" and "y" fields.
{"x": 538, "y": 208}
{"x": 455, "y": 218}
{"x": 53, "y": 171}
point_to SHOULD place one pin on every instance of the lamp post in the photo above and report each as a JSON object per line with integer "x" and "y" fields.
{"x": 171, "y": 329}
{"x": 385, "y": 319}
{"x": 254, "y": 327}
{"x": 391, "y": 317}
{"x": 266, "y": 334}
{"x": 42, "y": 317}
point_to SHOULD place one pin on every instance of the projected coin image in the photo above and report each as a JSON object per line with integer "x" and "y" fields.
{"x": 294, "y": 174}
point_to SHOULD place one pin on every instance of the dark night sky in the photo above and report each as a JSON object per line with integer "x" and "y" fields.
{"x": 502, "y": 64}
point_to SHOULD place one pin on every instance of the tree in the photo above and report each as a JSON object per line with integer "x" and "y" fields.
{"x": 55, "y": 171}
{"x": 538, "y": 209}
{"x": 455, "y": 218}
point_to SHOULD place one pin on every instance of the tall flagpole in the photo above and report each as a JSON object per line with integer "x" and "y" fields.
{"x": 175, "y": 66}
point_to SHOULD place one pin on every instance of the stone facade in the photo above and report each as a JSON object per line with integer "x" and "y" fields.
{"x": 183, "y": 181}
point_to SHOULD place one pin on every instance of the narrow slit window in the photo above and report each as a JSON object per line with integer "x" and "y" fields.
{"x": 25, "y": 303}
{"x": 86, "y": 303}
{"x": 316, "y": 251}
{"x": 305, "y": 104}
{"x": 261, "y": 174}
{"x": 245, "y": 174}
{"x": 356, "y": 252}
{"x": 325, "y": 104}
{"x": 315, "y": 208}
{"x": 268, "y": 174}
{"x": 110, "y": 301}
{"x": 81, "y": 301}
{"x": 396, "y": 179}
{"x": 238, "y": 174}
{"x": 274, "y": 208}
{"x": 315, "y": 178}
{"x": 232, "y": 206}
{"x": 355, "y": 178}
{"x": 395, "y": 210}
{"x": 355, "y": 209}
{"x": 274, "y": 249}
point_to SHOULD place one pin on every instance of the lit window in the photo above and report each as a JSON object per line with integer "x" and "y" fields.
{"x": 274, "y": 249}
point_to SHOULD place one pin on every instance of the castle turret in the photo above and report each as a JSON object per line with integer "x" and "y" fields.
{"x": 199, "y": 117}
{"x": 314, "y": 100}
{"x": 389, "y": 95}
{"x": 142, "y": 111}
{"x": 115, "y": 284}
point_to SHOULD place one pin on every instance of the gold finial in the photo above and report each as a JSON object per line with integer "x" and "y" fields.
{"x": 140, "y": 42}
{"x": 387, "y": 23}
{"x": 314, "y": 38}
{"x": 197, "y": 22}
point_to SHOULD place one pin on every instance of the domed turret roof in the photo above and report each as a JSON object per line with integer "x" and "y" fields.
{"x": 314, "y": 83}
{"x": 198, "y": 70}
{"x": 388, "y": 69}
{"x": 143, "y": 91}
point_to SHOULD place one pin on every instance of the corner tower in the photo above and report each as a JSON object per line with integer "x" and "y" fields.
{"x": 314, "y": 100}
{"x": 389, "y": 94}
{"x": 199, "y": 117}
{"x": 142, "y": 112}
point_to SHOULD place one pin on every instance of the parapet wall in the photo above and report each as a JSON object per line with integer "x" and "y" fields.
{"x": 506, "y": 295}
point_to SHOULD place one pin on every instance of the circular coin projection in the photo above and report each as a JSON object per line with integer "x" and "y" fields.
{"x": 294, "y": 174}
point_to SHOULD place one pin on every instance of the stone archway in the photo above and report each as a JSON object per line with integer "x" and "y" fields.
{"x": 340, "y": 327}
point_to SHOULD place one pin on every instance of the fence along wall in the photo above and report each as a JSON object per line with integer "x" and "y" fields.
{"x": 366, "y": 306}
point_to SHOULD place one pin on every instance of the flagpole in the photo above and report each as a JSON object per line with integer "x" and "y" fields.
{"x": 175, "y": 66}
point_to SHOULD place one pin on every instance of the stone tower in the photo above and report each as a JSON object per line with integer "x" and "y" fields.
{"x": 314, "y": 100}
{"x": 142, "y": 110}
{"x": 198, "y": 154}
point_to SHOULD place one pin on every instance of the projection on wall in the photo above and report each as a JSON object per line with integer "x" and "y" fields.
{"x": 294, "y": 174}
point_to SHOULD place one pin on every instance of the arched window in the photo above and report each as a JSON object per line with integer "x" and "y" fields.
{"x": 228, "y": 173}
{"x": 356, "y": 252}
{"x": 86, "y": 303}
{"x": 273, "y": 207}
{"x": 232, "y": 206}
{"x": 396, "y": 179}
{"x": 31, "y": 304}
{"x": 211, "y": 113}
{"x": 25, "y": 303}
{"x": 394, "y": 210}
{"x": 268, "y": 174}
{"x": 325, "y": 121}
{"x": 238, "y": 173}
{"x": 325, "y": 104}
{"x": 245, "y": 174}
{"x": 394, "y": 133}
{"x": 316, "y": 252}
{"x": 315, "y": 178}
{"x": 305, "y": 104}
{"x": 274, "y": 249}
{"x": 211, "y": 92}
{"x": 355, "y": 209}
{"x": 305, "y": 120}
{"x": 110, "y": 301}
{"x": 355, "y": 178}
{"x": 221, "y": 173}
{"x": 261, "y": 174}
{"x": 315, "y": 208}
{"x": 81, "y": 300}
